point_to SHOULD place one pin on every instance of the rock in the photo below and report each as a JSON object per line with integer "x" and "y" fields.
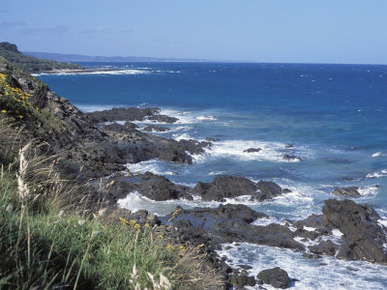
{"x": 364, "y": 238}
{"x": 231, "y": 223}
{"x": 162, "y": 119}
{"x": 225, "y": 187}
{"x": 315, "y": 221}
{"x": 242, "y": 280}
{"x": 252, "y": 150}
{"x": 153, "y": 128}
{"x": 267, "y": 190}
{"x": 324, "y": 248}
{"x": 352, "y": 191}
{"x": 160, "y": 188}
{"x": 291, "y": 158}
{"x": 210, "y": 139}
{"x": 275, "y": 277}
{"x": 121, "y": 114}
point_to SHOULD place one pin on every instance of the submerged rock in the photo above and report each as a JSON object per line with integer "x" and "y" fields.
{"x": 291, "y": 158}
{"x": 252, "y": 150}
{"x": 352, "y": 191}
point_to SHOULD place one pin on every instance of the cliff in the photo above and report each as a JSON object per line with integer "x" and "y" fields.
{"x": 29, "y": 63}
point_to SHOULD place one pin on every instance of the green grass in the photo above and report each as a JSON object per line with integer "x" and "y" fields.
{"x": 54, "y": 249}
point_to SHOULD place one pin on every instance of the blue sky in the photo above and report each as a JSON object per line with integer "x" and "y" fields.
{"x": 307, "y": 31}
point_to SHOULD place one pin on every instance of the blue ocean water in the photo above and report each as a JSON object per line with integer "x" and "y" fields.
{"x": 333, "y": 116}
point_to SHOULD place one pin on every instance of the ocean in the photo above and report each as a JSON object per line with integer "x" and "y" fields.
{"x": 333, "y": 118}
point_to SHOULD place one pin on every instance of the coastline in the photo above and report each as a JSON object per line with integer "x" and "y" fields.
{"x": 101, "y": 149}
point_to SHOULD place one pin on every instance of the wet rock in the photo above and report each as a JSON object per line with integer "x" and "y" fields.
{"x": 275, "y": 277}
{"x": 154, "y": 128}
{"x": 291, "y": 158}
{"x": 363, "y": 237}
{"x": 252, "y": 150}
{"x": 324, "y": 248}
{"x": 352, "y": 191}
{"x": 121, "y": 114}
{"x": 310, "y": 235}
{"x": 241, "y": 280}
{"x": 225, "y": 187}
{"x": 210, "y": 139}
{"x": 267, "y": 190}
{"x": 162, "y": 118}
{"x": 315, "y": 221}
{"x": 160, "y": 188}
{"x": 231, "y": 223}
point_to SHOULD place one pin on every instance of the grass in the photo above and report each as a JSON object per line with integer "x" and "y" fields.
{"x": 43, "y": 246}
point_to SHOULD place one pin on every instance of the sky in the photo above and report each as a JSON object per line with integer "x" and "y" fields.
{"x": 279, "y": 31}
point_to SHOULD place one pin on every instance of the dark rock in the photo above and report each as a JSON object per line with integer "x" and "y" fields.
{"x": 324, "y": 248}
{"x": 315, "y": 221}
{"x": 162, "y": 119}
{"x": 225, "y": 187}
{"x": 363, "y": 238}
{"x": 153, "y": 128}
{"x": 291, "y": 158}
{"x": 289, "y": 146}
{"x": 160, "y": 188}
{"x": 267, "y": 190}
{"x": 129, "y": 127}
{"x": 252, "y": 150}
{"x": 210, "y": 139}
{"x": 352, "y": 191}
{"x": 275, "y": 277}
{"x": 242, "y": 280}
{"x": 310, "y": 235}
{"x": 122, "y": 114}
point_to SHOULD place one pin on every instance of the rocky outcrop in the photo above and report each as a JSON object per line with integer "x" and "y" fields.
{"x": 232, "y": 223}
{"x": 129, "y": 114}
{"x": 275, "y": 277}
{"x": 153, "y": 186}
{"x": 363, "y": 238}
{"x": 223, "y": 187}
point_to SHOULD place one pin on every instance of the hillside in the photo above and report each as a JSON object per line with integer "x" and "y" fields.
{"x": 29, "y": 63}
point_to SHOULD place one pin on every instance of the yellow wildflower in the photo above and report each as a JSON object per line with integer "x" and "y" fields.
{"x": 182, "y": 248}
{"x": 124, "y": 221}
{"x": 161, "y": 237}
{"x": 147, "y": 225}
{"x": 137, "y": 226}
{"x": 4, "y": 111}
{"x": 169, "y": 247}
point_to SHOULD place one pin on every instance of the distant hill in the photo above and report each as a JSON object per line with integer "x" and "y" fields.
{"x": 85, "y": 58}
{"x": 29, "y": 63}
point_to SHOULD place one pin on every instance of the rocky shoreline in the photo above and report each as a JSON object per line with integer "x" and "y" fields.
{"x": 94, "y": 149}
